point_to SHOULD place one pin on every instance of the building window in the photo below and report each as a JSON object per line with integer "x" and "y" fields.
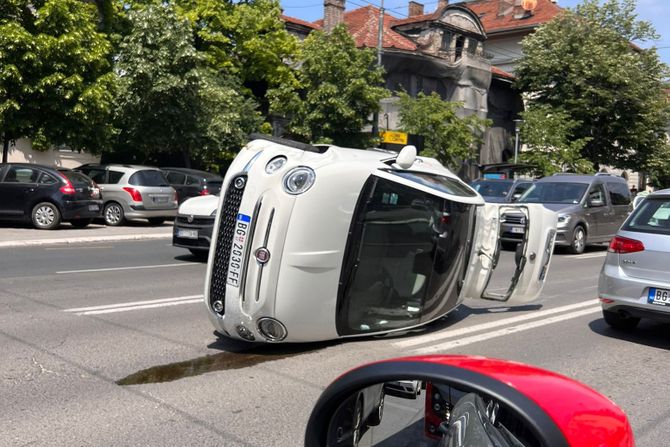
{"x": 473, "y": 45}
{"x": 446, "y": 41}
{"x": 460, "y": 43}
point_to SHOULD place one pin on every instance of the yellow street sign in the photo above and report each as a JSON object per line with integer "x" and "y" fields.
{"x": 393, "y": 137}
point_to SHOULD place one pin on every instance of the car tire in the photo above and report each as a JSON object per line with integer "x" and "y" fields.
{"x": 45, "y": 216}
{"x": 113, "y": 214}
{"x": 509, "y": 245}
{"x": 156, "y": 220}
{"x": 617, "y": 321}
{"x": 81, "y": 223}
{"x": 578, "y": 241}
{"x": 200, "y": 254}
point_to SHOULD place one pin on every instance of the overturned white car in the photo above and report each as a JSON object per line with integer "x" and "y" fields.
{"x": 321, "y": 242}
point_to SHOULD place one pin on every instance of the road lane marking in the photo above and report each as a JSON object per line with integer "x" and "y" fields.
{"x": 506, "y": 331}
{"x": 135, "y": 305}
{"x": 491, "y": 325}
{"x": 137, "y": 267}
{"x": 87, "y": 247}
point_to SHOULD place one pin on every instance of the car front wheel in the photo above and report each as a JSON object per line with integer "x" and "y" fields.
{"x": 46, "y": 216}
{"x": 113, "y": 214}
{"x": 618, "y": 321}
{"x": 578, "y": 243}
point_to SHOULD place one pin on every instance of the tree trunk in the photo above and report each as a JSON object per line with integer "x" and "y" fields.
{"x": 5, "y": 148}
{"x": 186, "y": 157}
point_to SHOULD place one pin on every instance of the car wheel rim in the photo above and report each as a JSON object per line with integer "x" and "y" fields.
{"x": 113, "y": 214}
{"x": 45, "y": 216}
{"x": 358, "y": 420}
{"x": 579, "y": 240}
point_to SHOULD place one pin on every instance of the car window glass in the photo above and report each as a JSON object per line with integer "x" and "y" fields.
{"x": 554, "y": 192}
{"x": 148, "y": 177}
{"x": 22, "y": 175}
{"x": 114, "y": 177}
{"x": 491, "y": 188}
{"x": 96, "y": 174}
{"x": 46, "y": 179}
{"x": 651, "y": 216}
{"x": 521, "y": 188}
{"x": 597, "y": 193}
{"x": 77, "y": 179}
{"x": 439, "y": 182}
{"x": 176, "y": 178}
{"x": 190, "y": 180}
{"x": 619, "y": 193}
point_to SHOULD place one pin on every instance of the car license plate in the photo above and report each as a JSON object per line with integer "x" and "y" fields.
{"x": 659, "y": 296}
{"x": 187, "y": 233}
{"x": 237, "y": 250}
{"x": 94, "y": 207}
{"x": 518, "y": 230}
{"x": 160, "y": 200}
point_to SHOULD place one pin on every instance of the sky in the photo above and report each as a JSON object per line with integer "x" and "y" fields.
{"x": 655, "y": 11}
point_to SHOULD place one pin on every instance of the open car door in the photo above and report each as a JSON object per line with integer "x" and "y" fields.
{"x": 532, "y": 256}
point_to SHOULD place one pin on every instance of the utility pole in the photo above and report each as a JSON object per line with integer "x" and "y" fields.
{"x": 517, "y": 129}
{"x": 380, "y": 44}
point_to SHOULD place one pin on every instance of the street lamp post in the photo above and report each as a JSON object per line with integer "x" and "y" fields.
{"x": 517, "y": 129}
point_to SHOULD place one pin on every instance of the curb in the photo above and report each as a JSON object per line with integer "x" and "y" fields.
{"x": 78, "y": 240}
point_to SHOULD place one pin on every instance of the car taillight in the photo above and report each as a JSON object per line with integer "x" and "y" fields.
{"x": 134, "y": 194}
{"x": 175, "y": 198}
{"x": 623, "y": 245}
{"x": 67, "y": 188}
{"x": 204, "y": 191}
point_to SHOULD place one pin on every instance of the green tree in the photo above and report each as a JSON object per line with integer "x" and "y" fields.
{"x": 340, "y": 88}
{"x": 551, "y": 149}
{"x": 583, "y": 63}
{"x": 447, "y": 136}
{"x": 169, "y": 101}
{"x": 56, "y": 86}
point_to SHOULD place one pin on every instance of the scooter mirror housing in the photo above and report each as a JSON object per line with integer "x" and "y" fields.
{"x": 466, "y": 401}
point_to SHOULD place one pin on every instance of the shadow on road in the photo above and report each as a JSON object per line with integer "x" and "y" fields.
{"x": 647, "y": 333}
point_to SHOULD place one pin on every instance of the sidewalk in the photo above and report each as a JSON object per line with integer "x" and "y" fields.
{"x": 24, "y": 236}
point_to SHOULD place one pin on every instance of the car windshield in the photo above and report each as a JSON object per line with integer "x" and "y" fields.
{"x": 554, "y": 192}
{"x": 651, "y": 216}
{"x": 489, "y": 188}
{"x": 439, "y": 182}
{"x": 148, "y": 177}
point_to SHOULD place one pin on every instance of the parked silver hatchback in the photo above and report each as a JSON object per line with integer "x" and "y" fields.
{"x": 635, "y": 279}
{"x": 133, "y": 192}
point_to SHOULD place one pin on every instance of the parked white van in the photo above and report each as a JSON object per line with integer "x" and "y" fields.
{"x": 322, "y": 242}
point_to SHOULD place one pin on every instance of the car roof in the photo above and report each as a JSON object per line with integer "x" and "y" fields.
{"x": 579, "y": 178}
{"x": 665, "y": 193}
{"x": 116, "y": 165}
{"x": 34, "y": 165}
{"x": 192, "y": 171}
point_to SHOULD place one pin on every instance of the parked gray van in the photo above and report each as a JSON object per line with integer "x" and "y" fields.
{"x": 590, "y": 208}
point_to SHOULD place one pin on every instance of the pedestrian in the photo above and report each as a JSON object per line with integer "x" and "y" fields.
{"x": 633, "y": 191}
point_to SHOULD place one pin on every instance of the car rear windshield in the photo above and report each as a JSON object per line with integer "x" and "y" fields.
{"x": 554, "y": 192}
{"x": 439, "y": 182}
{"x": 77, "y": 179}
{"x": 148, "y": 177}
{"x": 492, "y": 189}
{"x": 651, "y": 216}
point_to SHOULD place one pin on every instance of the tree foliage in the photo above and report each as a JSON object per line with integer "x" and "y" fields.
{"x": 339, "y": 89}
{"x": 583, "y": 63}
{"x": 169, "y": 101}
{"x": 447, "y": 136}
{"x": 56, "y": 86}
{"x": 551, "y": 149}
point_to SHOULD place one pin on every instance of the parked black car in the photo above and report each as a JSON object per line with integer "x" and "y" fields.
{"x": 47, "y": 196}
{"x": 192, "y": 183}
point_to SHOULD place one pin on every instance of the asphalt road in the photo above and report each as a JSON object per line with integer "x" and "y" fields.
{"x": 75, "y": 320}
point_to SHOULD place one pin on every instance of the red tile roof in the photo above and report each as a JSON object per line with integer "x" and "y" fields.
{"x": 363, "y": 25}
{"x": 487, "y": 10}
{"x": 502, "y": 73}
{"x": 301, "y": 22}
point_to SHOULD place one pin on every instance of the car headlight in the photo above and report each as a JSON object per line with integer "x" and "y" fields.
{"x": 298, "y": 180}
{"x": 563, "y": 220}
{"x": 275, "y": 164}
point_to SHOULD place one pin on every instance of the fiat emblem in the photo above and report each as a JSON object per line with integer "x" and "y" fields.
{"x": 262, "y": 255}
{"x": 190, "y": 218}
{"x": 240, "y": 182}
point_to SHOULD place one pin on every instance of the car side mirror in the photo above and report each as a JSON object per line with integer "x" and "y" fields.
{"x": 462, "y": 400}
{"x": 516, "y": 197}
{"x": 596, "y": 203}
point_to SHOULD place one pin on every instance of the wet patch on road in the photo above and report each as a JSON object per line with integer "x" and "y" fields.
{"x": 217, "y": 362}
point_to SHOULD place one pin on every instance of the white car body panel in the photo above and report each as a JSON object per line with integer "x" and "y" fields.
{"x": 306, "y": 236}
{"x": 199, "y": 206}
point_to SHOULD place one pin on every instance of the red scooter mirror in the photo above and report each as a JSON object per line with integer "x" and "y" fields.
{"x": 464, "y": 401}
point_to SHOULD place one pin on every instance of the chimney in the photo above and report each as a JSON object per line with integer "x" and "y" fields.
{"x": 442, "y": 4}
{"x": 333, "y": 14}
{"x": 415, "y": 9}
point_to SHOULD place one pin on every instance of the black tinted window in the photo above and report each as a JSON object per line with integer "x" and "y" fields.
{"x": 114, "y": 177}
{"x": 20, "y": 174}
{"x": 96, "y": 174}
{"x": 176, "y": 178}
{"x": 47, "y": 179}
{"x": 491, "y": 188}
{"x": 148, "y": 177}
{"x": 651, "y": 216}
{"x": 619, "y": 193}
{"x": 77, "y": 179}
{"x": 190, "y": 180}
{"x": 554, "y": 192}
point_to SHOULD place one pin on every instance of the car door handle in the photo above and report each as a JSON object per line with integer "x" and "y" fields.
{"x": 29, "y": 190}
